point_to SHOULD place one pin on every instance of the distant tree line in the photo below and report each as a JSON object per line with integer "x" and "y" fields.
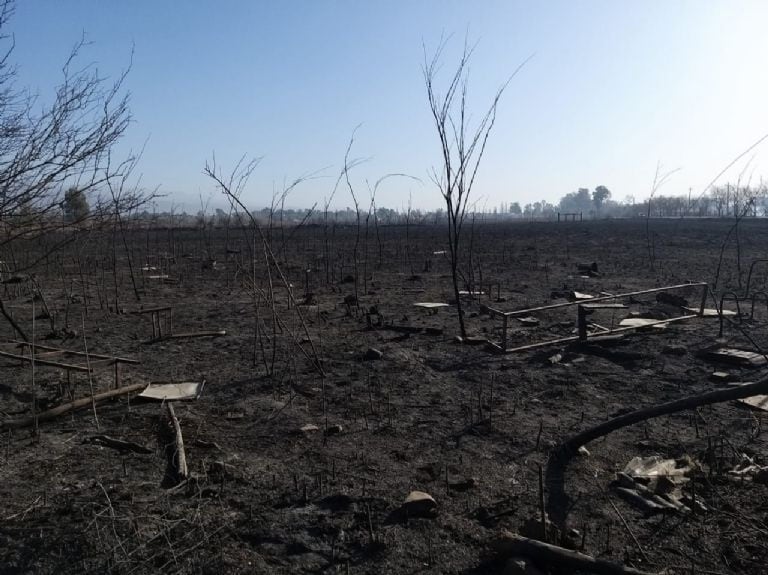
{"x": 722, "y": 201}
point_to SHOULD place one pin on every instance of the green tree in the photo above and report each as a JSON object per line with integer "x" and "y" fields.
{"x": 75, "y": 205}
{"x": 599, "y": 196}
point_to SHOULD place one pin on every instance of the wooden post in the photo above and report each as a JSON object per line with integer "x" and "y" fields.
{"x": 582, "y": 323}
{"x": 504, "y": 332}
{"x": 704, "y": 299}
{"x": 117, "y": 374}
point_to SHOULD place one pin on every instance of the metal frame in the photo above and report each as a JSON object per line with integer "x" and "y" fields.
{"x": 81, "y": 362}
{"x": 584, "y": 308}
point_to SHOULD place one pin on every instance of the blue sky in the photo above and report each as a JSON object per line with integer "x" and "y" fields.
{"x": 613, "y": 88}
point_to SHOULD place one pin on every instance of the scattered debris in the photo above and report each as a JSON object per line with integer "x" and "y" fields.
{"x": 756, "y": 401}
{"x": 748, "y": 468}
{"x": 710, "y": 312}
{"x": 732, "y": 355}
{"x": 578, "y": 296}
{"x": 655, "y": 484}
{"x": 528, "y": 321}
{"x": 185, "y": 390}
{"x": 419, "y": 504}
{"x": 641, "y": 322}
{"x": 431, "y": 305}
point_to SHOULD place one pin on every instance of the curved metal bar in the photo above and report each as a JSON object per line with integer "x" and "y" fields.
{"x": 754, "y": 299}
{"x": 720, "y": 311}
{"x": 751, "y": 269}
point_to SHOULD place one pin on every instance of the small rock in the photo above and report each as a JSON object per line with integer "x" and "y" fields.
{"x": 334, "y": 429}
{"x": 419, "y": 504}
{"x": 721, "y": 376}
{"x": 584, "y": 451}
{"x": 309, "y": 428}
{"x": 458, "y": 339}
{"x": 557, "y": 358}
{"x": 372, "y": 354}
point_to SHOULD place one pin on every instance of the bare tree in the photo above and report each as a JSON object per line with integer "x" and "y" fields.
{"x": 232, "y": 187}
{"x": 47, "y": 148}
{"x": 462, "y": 146}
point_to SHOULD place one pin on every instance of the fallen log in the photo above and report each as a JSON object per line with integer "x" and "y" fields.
{"x": 513, "y": 545}
{"x": 731, "y": 393}
{"x": 180, "y": 457}
{"x": 71, "y": 406}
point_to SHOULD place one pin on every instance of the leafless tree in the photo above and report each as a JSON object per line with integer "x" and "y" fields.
{"x": 46, "y": 148}
{"x": 462, "y": 147}
{"x": 232, "y": 186}
{"x": 50, "y": 144}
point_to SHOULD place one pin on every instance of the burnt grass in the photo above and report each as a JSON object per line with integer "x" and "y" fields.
{"x": 468, "y": 426}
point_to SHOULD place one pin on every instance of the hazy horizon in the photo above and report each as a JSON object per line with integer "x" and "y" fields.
{"x": 612, "y": 90}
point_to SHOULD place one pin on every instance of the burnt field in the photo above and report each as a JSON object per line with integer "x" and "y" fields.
{"x": 326, "y": 404}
